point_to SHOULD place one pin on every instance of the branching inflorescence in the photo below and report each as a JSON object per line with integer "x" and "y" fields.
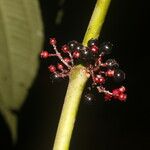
{"x": 92, "y": 57}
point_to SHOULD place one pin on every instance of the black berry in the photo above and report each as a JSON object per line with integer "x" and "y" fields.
{"x": 119, "y": 75}
{"x": 72, "y": 45}
{"x": 89, "y": 97}
{"x": 55, "y": 78}
{"x": 92, "y": 42}
{"x": 79, "y": 47}
{"x": 112, "y": 64}
{"x": 86, "y": 56}
{"x": 106, "y": 47}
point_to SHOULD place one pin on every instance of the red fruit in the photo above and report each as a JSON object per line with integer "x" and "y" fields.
{"x": 101, "y": 80}
{"x": 44, "y": 54}
{"x": 122, "y": 97}
{"x": 122, "y": 89}
{"x": 52, "y": 41}
{"x": 94, "y": 49}
{"x": 67, "y": 60}
{"x": 65, "y": 48}
{"x": 52, "y": 68}
{"x": 60, "y": 66}
{"x": 116, "y": 93}
{"x": 110, "y": 73}
{"x": 107, "y": 97}
{"x": 76, "y": 54}
{"x": 96, "y": 79}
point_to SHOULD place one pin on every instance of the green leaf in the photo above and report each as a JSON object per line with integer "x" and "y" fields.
{"x": 21, "y": 39}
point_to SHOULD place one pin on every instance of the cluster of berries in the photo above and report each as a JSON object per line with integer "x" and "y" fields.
{"x": 91, "y": 56}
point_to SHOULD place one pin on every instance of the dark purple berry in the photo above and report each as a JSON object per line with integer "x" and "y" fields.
{"x": 92, "y": 42}
{"x": 112, "y": 64}
{"x": 55, "y": 78}
{"x": 89, "y": 97}
{"x": 106, "y": 47}
{"x": 86, "y": 56}
{"x": 72, "y": 45}
{"x": 79, "y": 47}
{"x": 119, "y": 75}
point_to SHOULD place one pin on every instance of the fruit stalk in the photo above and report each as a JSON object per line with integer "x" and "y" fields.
{"x": 77, "y": 80}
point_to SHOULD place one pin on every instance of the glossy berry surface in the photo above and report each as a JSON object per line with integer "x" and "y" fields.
{"x": 52, "y": 41}
{"x": 44, "y": 54}
{"x": 122, "y": 89}
{"x": 76, "y": 54}
{"x": 119, "y": 75}
{"x": 96, "y": 79}
{"x": 86, "y": 56}
{"x": 106, "y": 48}
{"x": 72, "y": 45}
{"x": 52, "y": 68}
{"x": 122, "y": 97}
{"x": 99, "y": 80}
{"x": 55, "y": 78}
{"x": 92, "y": 42}
{"x": 65, "y": 48}
{"x": 116, "y": 93}
{"x": 60, "y": 66}
{"x": 67, "y": 60}
{"x": 89, "y": 97}
{"x": 94, "y": 49}
{"x": 112, "y": 64}
{"x": 110, "y": 73}
{"x": 79, "y": 47}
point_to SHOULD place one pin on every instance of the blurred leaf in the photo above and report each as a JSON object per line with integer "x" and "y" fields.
{"x": 60, "y": 12}
{"x": 21, "y": 38}
{"x": 59, "y": 17}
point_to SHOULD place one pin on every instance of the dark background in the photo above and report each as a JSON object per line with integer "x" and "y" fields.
{"x": 103, "y": 125}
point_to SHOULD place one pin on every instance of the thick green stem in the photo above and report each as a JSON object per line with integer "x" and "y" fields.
{"x": 97, "y": 20}
{"x": 76, "y": 85}
{"x": 77, "y": 80}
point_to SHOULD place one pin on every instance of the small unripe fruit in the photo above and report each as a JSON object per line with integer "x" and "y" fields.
{"x": 52, "y": 68}
{"x": 52, "y": 41}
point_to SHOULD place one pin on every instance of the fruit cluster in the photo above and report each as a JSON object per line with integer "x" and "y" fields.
{"x": 91, "y": 56}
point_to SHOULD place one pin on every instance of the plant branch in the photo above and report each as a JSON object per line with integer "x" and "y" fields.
{"x": 77, "y": 80}
{"x": 97, "y": 20}
{"x": 76, "y": 85}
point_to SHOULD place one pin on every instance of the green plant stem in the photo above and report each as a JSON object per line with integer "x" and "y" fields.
{"x": 77, "y": 81}
{"x": 97, "y": 20}
{"x": 76, "y": 85}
